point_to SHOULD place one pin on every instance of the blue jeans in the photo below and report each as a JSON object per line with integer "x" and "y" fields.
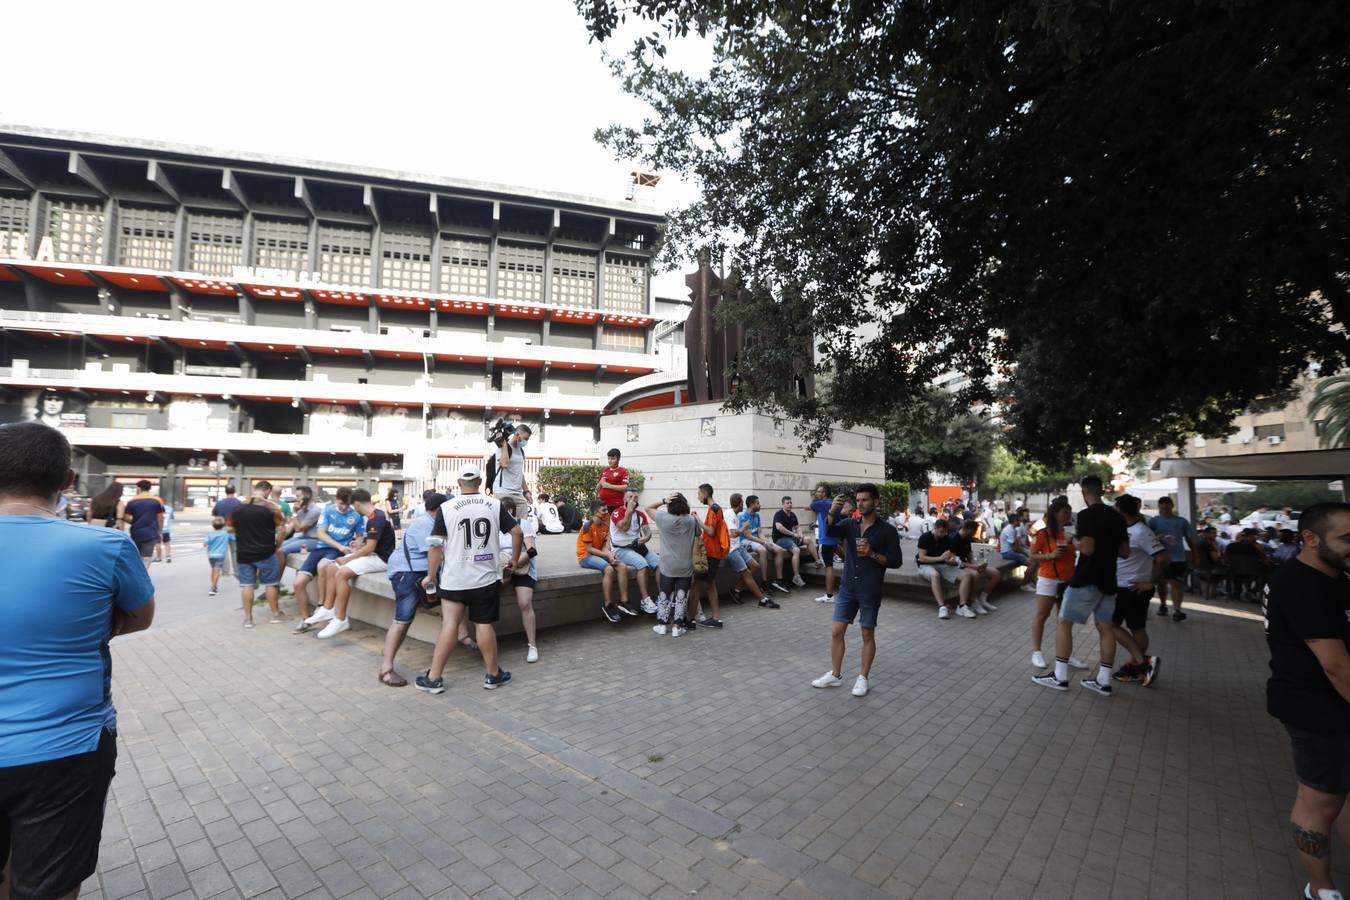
{"x": 296, "y": 544}
{"x": 635, "y": 560}
{"x": 317, "y": 555}
{"x": 1020, "y": 558}
{"x": 264, "y": 572}
{"x": 405, "y": 595}
{"x": 591, "y": 561}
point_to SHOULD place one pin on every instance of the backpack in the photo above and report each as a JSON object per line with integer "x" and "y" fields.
{"x": 700, "y": 556}
{"x": 489, "y": 471}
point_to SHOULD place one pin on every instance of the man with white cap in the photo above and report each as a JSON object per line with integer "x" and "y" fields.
{"x": 465, "y": 538}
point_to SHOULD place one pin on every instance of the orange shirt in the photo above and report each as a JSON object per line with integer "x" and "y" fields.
{"x": 592, "y": 535}
{"x": 719, "y": 542}
{"x": 1059, "y": 569}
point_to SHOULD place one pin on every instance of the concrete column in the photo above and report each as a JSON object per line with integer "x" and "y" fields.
{"x": 595, "y": 340}
{"x": 247, "y": 310}
{"x": 491, "y": 323}
{"x": 373, "y": 317}
{"x": 433, "y": 321}
{"x": 112, "y": 233}
{"x": 600, "y": 280}
{"x": 311, "y": 314}
{"x": 548, "y": 272}
{"x": 180, "y": 241}
{"x": 1186, "y": 505}
{"x": 176, "y": 303}
{"x": 492, "y": 267}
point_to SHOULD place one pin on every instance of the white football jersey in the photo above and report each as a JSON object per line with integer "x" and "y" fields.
{"x": 471, "y": 526}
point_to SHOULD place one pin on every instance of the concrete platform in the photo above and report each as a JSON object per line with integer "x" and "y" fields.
{"x": 568, "y": 594}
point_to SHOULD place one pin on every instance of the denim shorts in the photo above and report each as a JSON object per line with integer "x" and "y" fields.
{"x": 1081, "y": 603}
{"x": 264, "y": 572}
{"x": 317, "y": 555}
{"x": 739, "y": 559}
{"x": 591, "y": 561}
{"x": 786, "y": 543}
{"x": 846, "y": 606}
{"x": 406, "y": 597}
{"x": 635, "y": 560}
{"x": 1014, "y": 556}
{"x": 217, "y": 565}
{"x": 298, "y": 544}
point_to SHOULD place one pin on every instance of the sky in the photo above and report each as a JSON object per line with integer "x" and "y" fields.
{"x": 507, "y": 91}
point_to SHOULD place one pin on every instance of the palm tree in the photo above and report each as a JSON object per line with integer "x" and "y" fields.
{"x": 1331, "y": 406}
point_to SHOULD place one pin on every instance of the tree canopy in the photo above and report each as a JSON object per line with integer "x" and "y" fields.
{"x": 1012, "y": 473}
{"x": 1125, "y": 222}
{"x": 936, "y": 434}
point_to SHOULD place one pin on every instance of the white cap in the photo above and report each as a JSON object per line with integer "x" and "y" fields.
{"x": 469, "y": 472}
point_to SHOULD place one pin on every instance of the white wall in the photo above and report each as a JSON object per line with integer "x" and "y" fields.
{"x": 743, "y": 453}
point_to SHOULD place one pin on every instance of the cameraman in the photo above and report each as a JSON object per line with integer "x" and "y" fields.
{"x": 510, "y": 478}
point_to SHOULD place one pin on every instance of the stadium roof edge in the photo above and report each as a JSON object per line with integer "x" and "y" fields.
{"x": 224, "y": 157}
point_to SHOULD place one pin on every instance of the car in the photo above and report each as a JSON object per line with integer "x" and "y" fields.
{"x": 76, "y": 506}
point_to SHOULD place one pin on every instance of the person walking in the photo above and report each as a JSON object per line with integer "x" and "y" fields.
{"x": 258, "y": 528}
{"x": 871, "y": 545}
{"x": 1307, "y": 614}
{"x": 217, "y": 543}
{"x": 1136, "y": 578}
{"x": 1178, "y": 536}
{"x": 70, "y": 589}
{"x": 828, "y": 546}
{"x": 679, "y": 530}
{"x": 466, "y": 538}
{"x": 1091, "y": 594}
{"x": 144, "y": 515}
{"x": 223, "y": 508}
{"x": 1052, "y": 550}
{"x": 407, "y": 569}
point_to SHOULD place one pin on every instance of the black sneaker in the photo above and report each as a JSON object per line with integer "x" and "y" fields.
{"x": 736, "y": 596}
{"x": 1090, "y": 684}
{"x": 425, "y": 683}
{"x": 1178, "y": 616}
{"x": 1151, "y": 666}
{"x": 710, "y": 622}
{"x": 690, "y": 625}
{"x": 611, "y": 612}
{"x": 766, "y": 603}
{"x": 492, "y": 682}
{"x": 1050, "y": 681}
{"x": 1162, "y": 609}
{"x": 627, "y": 609}
{"x": 778, "y": 587}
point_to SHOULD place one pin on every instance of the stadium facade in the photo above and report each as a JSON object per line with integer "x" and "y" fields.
{"x": 195, "y": 319}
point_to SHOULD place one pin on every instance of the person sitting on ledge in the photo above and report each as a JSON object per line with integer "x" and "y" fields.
{"x": 594, "y": 552}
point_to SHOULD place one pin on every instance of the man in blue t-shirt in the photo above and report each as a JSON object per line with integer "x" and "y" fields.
{"x": 371, "y": 557}
{"x": 144, "y": 515}
{"x": 69, "y": 589}
{"x": 829, "y": 546}
{"x": 407, "y": 568}
{"x": 747, "y": 531}
{"x": 337, "y": 525}
{"x": 1178, "y": 536}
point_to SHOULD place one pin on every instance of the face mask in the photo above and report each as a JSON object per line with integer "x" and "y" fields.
{"x": 523, "y": 442}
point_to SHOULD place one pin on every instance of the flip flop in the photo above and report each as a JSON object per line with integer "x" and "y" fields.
{"x": 470, "y": 643}
{"x": 393, "y": 679}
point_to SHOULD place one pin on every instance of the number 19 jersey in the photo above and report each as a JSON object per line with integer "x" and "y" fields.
{"x": 471, "y": 526}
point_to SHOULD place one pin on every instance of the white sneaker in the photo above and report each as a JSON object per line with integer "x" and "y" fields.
{"x": 532, "y": 654}
{"x": 648, "y": 606}
{"x": 978, "y": 607}
{"x": 334, "y": 628}
{"x": 829, "y": 679}
{"x": 984, "y": 598}
{"x": 799, "y": 581}
{"x": 676, "y": 630}
{"x": 321, "y": 615}
{"x": 824, "y": 598}
{"x": 1323, "y": 894}
{"x": 1076, "y": 663}
{"x": 944, "y": 612}
{"x": 1038, "y": 659}
{"x": 860, "y": 687}
{"x": 965, "y": 612}
{"x": 659, "y": 629}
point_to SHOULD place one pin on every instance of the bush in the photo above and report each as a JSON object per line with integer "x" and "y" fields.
{"x": 894, "y": 494}
{"x": 576, "y": 484}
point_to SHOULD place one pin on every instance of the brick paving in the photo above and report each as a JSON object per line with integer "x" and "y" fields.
{"x": 257, "y": 763}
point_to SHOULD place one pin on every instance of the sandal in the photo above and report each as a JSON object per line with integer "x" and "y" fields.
{"x": 393, "y": 679}
{"x": 468, "y": 642}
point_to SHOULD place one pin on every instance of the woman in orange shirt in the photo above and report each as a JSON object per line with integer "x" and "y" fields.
{"x": 1052, "y": 547}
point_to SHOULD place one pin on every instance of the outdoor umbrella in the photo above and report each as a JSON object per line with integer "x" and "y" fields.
{"x": 1152, "y": 490}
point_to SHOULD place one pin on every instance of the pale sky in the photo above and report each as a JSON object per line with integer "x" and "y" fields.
{"x": 508, "y": 91}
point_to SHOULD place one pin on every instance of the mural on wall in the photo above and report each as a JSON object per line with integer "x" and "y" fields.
{"x": 336, "y": 419}
{"x": 198, "y": 414}
{"x": 59, "y": 409}
{"x": 396, "y": 421}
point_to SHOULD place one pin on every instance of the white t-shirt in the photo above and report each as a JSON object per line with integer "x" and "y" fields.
{"x": 1144, "y": 545}
{"x": 527, "y": 530}
{"x": 511, "y": 479}
{"x": 549, "y": 522}
{"x": 618, "y": 536}
{"x": 470, "y": 527}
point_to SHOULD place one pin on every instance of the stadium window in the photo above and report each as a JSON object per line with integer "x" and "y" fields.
{"x": 629, "y": 340}
{"x": 573, "y": 278}
{"x": 146, "y": 237}
{"x": 281, "y": 244}
{"x": 464, "y": 266}
{"x": 625, "y": 284}
{"x": 76, "y": 230}
{"x": 13, "y": 223}
{"x": 406, "y": 260}
{"x": 520, "y": 272}
{"x": 344, "y": 256}
{"x": 215, "y": 244}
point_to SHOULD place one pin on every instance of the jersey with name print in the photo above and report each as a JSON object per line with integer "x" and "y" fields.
{"x": 471, "y": 526}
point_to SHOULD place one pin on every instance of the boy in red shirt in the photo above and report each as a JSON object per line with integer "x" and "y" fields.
{"x": 612, "y": 482}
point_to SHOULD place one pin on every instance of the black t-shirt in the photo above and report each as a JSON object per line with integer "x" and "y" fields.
{"x": 381, "y": 532}
{"x": 255, "y": 530}
{"x": 959, "y": 545}
{"x": 930, "y": 546}
{"x": 1242, "y": 548}
{"x": 787, "y": 520}
{"x": 1107, "y": 529}
{"x": 1301, "y": 604}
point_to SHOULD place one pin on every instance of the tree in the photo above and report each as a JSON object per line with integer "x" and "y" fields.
{"x": 1331, "y": 404}
{"x": 1126, "y": 222}
{"x": 1013, "y": 473}
{"x": 937, "y": 433}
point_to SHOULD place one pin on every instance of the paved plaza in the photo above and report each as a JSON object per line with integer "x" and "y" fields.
{"x": 259, "y": 763}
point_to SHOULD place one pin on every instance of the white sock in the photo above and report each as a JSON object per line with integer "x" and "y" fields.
{"x": 1061, "y": 669}
{"x": 1104, "y": 675}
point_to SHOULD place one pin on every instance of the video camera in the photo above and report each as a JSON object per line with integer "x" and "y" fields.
{"x": 500, "y": 432}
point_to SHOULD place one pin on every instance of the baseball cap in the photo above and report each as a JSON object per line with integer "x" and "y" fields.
{"x": 469, "y": 472}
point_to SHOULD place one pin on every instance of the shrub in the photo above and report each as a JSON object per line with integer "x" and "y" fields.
{"x": 894, "y": 494}
{"x": 576, "y": 484}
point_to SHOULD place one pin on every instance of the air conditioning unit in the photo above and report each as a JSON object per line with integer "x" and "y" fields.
{"x": 1274, "y": 439}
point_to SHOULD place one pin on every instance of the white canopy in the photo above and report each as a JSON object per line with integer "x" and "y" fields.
{"x": 1152, "y": 490}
